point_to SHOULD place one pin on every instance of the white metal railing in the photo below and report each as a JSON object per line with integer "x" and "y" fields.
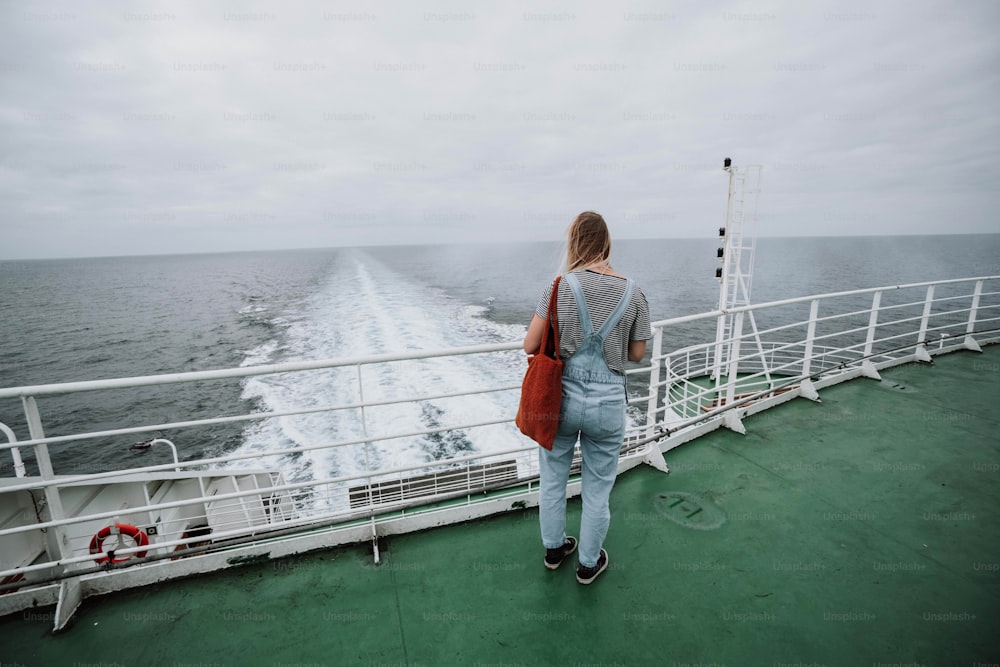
{"x": 838, "y": 336}
{"x": 843, "y": 332}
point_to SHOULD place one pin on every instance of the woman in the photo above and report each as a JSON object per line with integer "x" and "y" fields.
{"x": 603, "y": 320}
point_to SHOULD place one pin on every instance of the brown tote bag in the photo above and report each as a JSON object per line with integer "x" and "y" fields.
{"x": 541, "y": 391}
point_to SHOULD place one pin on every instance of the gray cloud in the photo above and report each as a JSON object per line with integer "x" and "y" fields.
{"x": 132, "y": 129}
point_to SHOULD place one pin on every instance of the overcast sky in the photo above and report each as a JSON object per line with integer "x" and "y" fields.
{"x": 164, "y": 127}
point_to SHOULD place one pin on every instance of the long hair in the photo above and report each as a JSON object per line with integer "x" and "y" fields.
{"x": 587, "y": 241}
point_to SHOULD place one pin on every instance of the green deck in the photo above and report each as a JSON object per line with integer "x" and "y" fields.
{"x": 861, "y": 531}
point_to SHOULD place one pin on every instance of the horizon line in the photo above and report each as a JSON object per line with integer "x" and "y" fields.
{"x": 467, "y": 243}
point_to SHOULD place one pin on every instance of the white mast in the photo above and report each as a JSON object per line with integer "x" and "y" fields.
{"x": 736, "y": 255}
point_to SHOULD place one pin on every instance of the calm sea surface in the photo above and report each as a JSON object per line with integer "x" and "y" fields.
{"x": 83, "y": 319}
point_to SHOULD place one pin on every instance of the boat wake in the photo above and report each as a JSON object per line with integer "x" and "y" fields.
{"x": 364, "y": 307}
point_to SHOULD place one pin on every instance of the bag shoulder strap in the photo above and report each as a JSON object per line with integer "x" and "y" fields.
{"x": 552, "y": 318}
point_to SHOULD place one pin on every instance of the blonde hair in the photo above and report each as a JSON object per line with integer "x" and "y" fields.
{"x": 587, "y": 241}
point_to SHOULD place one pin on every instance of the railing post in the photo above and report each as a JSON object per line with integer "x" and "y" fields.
{"x": 56, "y": 541}
{"x": 732, "y": 374}
{"x": 920, "y": 352}
{"x": 970, "y": 327}
{"x": 970, "y": 343}
{"x": 654, "y": 381}
{"x": 55, "y": 537}
{"x": 872, "y": 323}
{"x": 368, "y": 466}
{"x": 810, "y": 336}
{"x": 925, "y": 318}
{"x": 720, "y": 332}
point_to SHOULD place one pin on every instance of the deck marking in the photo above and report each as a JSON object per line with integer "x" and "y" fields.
{"x": 690, "y": 510}
{"x": 897, "y": 386}
{"x": 399, "y": 612}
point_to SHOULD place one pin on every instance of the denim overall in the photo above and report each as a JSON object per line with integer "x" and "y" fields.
{"x": 593, "y": 409}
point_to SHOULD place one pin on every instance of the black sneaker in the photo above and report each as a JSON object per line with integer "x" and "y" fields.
{"x": 586, "y": 575}
{"x": 555, "y": 557}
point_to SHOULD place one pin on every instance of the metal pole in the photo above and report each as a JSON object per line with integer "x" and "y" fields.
{"x": 368, "y": 468}
{"x": 810, "y": 336}
{"x": 56, "y": 540}
{"x": 654, "y": 379}
{"x": 14, "y": 451}
{"x": 976, "y": 294}
{"x": 727, "y": 257}
{"x": 177, "y": 463}
{"x": 872, "y": 322}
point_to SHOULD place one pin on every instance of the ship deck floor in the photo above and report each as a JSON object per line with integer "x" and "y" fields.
{"x": 863, "y": 530}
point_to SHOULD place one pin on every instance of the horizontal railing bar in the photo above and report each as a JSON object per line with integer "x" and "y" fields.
{"x": 762, "y": 332}
{"x": 837, "y": 334}
{"x": 748, "y": 337}
{"x": 835, "y": 316}
{"x": 684, "y": 319}
{"x": 110, "y": 474}
{"x": 907, "y": 334}
{"x": 913, "y": 304}
{"x": 959, "y": 297}
{"x": 639, "y": 399}
{"x": 796, "y": 361}
{"x": 704, "y": 392}
{"x": 953, "y": 325}
{"x": 58, "y": 439}
{"x": 828, "y": 295}
{"x": 783, "y": 346}
{"x": 249, "y": 371}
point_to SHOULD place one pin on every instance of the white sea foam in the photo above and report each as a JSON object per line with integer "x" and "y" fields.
{"x": 364, "y": 307}
{"x": 261, "y": 354}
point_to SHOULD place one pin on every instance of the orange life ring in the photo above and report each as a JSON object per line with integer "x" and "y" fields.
{"x": 138, "y": 536}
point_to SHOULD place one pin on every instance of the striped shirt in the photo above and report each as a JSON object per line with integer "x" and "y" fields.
{"x": 602, "y": 292}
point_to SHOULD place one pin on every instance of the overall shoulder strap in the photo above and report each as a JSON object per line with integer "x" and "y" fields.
{"x": 581, "y": 305}
{"x": 619, "y": 310}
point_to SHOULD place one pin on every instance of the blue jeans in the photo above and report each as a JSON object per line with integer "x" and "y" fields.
{"x": 594, "y": 412}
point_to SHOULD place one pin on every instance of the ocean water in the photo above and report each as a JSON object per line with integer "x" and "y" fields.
{"x": 82, "y": 319}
